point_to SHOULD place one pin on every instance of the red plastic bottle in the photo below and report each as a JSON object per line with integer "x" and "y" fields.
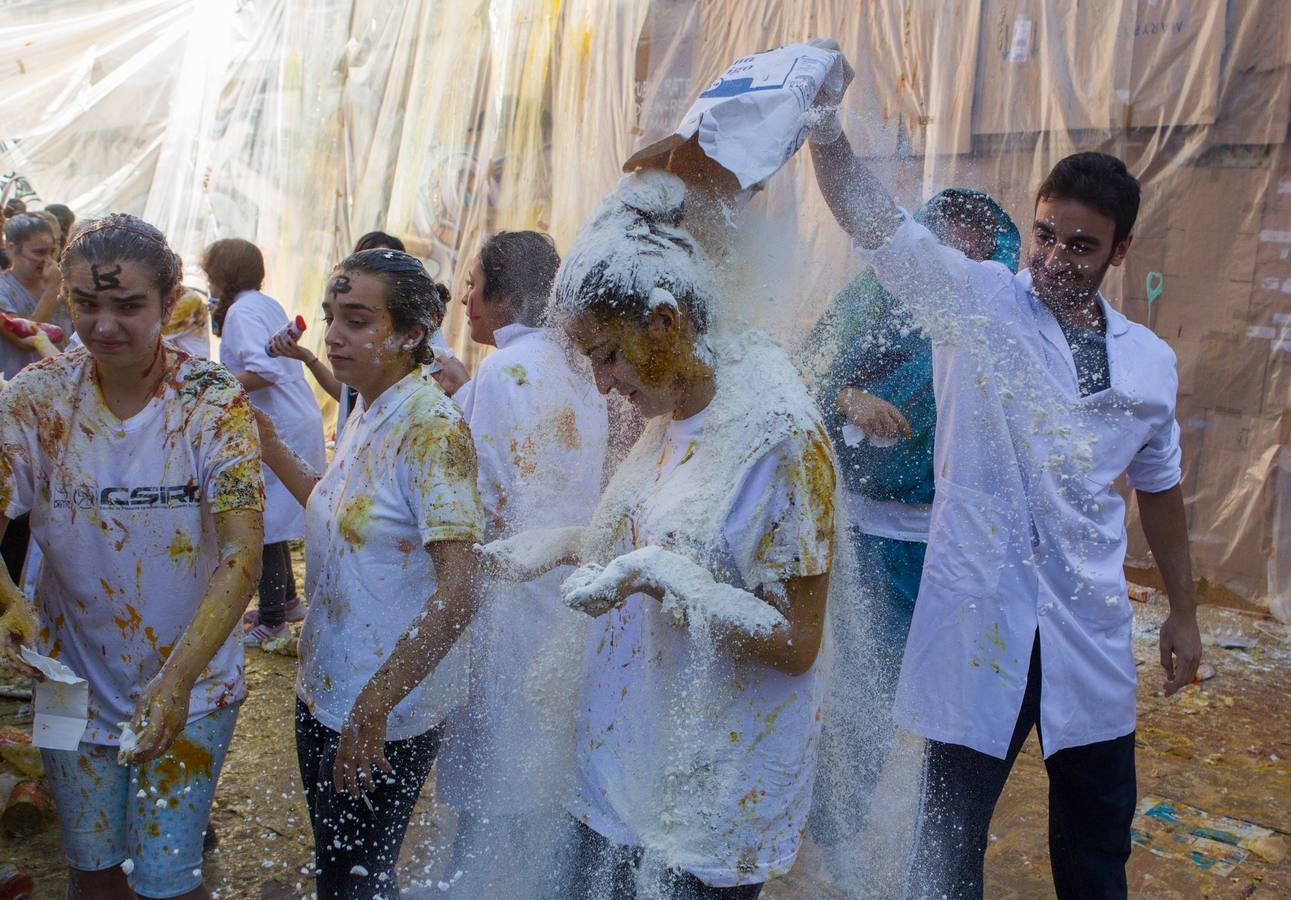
{"x": 15, "y": 884}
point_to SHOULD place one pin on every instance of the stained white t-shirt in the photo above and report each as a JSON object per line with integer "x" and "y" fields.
{"x": 123, "y": 513}
{"x": 690, "y": 752}
{"x": 250, "y": 322}
{"x": 402, "y": 476}
{"x": 540, "y": 432}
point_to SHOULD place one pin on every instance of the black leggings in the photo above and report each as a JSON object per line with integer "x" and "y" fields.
{"x": 604, "y": 870}
{"x": 347, "y": 834}
{"x": 277, "y": 583}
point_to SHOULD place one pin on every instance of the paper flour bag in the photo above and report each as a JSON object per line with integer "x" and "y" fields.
{"x": 750, "y": 120}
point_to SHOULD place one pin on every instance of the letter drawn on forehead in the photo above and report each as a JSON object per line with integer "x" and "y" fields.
{"x": 341, "y": 284}
{"x": 106, "y": 279}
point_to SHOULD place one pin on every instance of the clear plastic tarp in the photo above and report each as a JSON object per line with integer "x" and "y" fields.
{"x": 301, "y": 125}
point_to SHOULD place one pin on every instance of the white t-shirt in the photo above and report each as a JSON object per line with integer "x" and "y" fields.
{"x": 250, "y": 322}
{"x": 195, "y": 343}
{"x": 402, "y": 477}
{"x": 123, "y": 512}
{"x": 540, "y": 433}
{"x": 684, "y": 750}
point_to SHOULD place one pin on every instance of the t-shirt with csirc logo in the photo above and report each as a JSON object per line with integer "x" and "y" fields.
{"x": 123, "y": 512}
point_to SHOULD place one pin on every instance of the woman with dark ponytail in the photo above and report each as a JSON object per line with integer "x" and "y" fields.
{"x": 389, "y": 572}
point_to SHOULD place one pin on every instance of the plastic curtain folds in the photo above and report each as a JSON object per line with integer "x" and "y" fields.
{"x": 300, "y": 125}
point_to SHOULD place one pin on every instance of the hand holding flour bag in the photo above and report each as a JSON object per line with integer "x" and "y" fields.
{"x": 754, "y": 117}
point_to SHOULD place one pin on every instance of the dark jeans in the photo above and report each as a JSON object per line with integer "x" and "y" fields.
{"x": 1092, "y": 793}
{"x": 346, "y": 832}
{"x": 604, "y": 870}
{"x": 14, "y": 546}
{"x": 277, "y": 583}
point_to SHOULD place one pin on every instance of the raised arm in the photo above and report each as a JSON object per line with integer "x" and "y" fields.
{"x": 860, "y": 203}
{"x": 284, "y": 345}
{"x": 940, "y": 285}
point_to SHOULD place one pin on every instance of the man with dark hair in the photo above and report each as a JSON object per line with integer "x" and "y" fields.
{"x": 1045, "y": 396}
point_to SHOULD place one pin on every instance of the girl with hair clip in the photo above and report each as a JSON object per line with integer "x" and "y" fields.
{"x": 390, "y": 574}
{"x": 247, "y": 319}
{"x": 140, "y": 467}
{"x": 706, "y": 568}
{"x": 540, "y": 432}
{"x": 451, "y": 373}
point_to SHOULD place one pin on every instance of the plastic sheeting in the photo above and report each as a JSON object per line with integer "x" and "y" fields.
{"x": 300, "y": 125}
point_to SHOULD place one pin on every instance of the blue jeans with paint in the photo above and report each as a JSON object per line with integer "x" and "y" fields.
{"x": 154, "y": 815}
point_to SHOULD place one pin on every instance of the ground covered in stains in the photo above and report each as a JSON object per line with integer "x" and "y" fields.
{"x": 1218, "y": 749}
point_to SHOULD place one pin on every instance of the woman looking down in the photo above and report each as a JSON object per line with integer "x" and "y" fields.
{"x": 706, "y": 566}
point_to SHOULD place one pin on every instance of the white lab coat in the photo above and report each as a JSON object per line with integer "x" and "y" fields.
{"x": 1027, "y": 532}
{"x": 250, "y": 322}
{"x": 540, "y": 431}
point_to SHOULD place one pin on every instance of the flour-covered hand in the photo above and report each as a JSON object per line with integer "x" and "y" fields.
{"x": 822, "y": 117}
{"x": 596, "y": 590}
{"x": 17, "y": 627}
{"x": 530, "y": 554}
{"x": 160, "y": 716}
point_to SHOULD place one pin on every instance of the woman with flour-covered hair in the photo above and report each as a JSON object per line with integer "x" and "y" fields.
{"x": 706, "y": 568}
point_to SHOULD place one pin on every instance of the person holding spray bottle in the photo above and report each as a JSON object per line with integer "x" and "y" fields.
{"x": 247, "y": 320}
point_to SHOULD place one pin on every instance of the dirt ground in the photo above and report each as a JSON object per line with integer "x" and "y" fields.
{"x": 1222, "y": 747}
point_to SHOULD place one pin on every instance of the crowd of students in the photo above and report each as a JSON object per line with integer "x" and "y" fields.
{"x": 629, "y": 672}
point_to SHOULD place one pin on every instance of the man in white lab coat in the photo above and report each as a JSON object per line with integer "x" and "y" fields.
{"x": 1045, "y": 396}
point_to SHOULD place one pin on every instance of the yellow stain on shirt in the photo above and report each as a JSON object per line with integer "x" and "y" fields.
{"x": 181, "y": 549}
{"x": 354, "y": 518}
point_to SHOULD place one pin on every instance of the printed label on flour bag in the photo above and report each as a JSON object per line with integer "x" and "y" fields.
{"x": 750, "y": 120}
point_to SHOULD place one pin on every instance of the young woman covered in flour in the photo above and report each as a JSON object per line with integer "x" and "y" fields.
{"x": 706, "y": 567}
{"x": 140, "y": 467}
{"x": 389, "y": 571}
{"x": 247, "y": 319}
{"x": 540, "y": 432}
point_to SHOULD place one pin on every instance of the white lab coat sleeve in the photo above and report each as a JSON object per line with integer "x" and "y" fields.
{"x": 1157, "y": 466}
{"x": 954, "y": 299}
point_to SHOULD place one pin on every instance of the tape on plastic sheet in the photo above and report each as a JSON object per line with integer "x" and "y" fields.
{"x": 1020, "y": 40}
